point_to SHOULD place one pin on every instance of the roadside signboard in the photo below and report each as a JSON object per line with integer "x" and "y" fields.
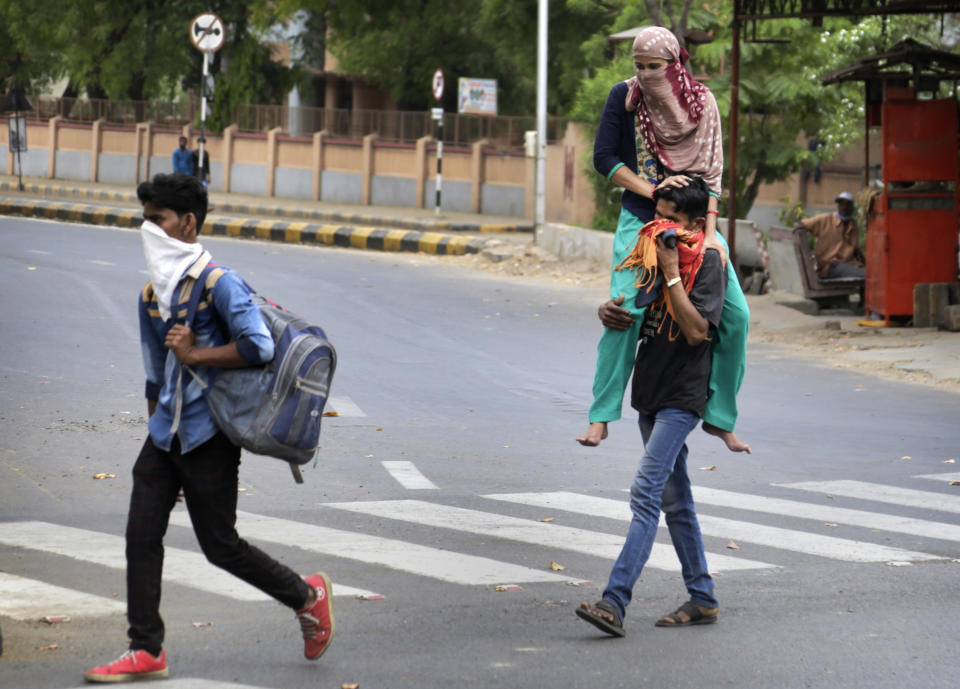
{"x": 207, "y": 32}
{"x": 437, "y": 84}
{"x": 476, "y": 96}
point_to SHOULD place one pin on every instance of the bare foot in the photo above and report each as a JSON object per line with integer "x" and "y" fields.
{"x": 596, "y": 432}
{"x": 733, "y": 443}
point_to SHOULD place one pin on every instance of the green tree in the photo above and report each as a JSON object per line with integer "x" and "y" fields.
{"x": 140, "y": 50}
{"x": 782, "y": 101}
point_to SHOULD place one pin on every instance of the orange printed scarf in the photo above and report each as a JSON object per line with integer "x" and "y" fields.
{"x": 643, "y": 258}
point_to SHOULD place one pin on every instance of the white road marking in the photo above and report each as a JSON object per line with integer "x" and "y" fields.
{"x": 408, "y": 476}
{"x": 878, "y": 492}
{"x": 952, "y": 476}
{"x": 98, "y": 262}
{"x": 181, "y": 567}
{"x": 548, "y": 535}
{"x": 29, "y": 599}
{"x": 435, "y": 563}
{"x": 344, "y": 406}
{"x": 38, "y": 251}
{"x": 196, "y": 683}
{"x": 745, "y": 532}
{"x": 828, "y": 513}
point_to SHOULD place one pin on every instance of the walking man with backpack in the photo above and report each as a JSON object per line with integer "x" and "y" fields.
{"x": 184, "y": 449}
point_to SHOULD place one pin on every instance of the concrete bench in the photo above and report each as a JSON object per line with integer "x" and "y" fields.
{"x": 824, "y": 292}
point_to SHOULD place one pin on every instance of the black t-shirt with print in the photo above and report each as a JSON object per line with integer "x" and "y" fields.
{"x": 674, "y": 374}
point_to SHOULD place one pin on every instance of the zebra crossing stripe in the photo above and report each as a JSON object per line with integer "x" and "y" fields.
{"x": 746, "y": 532}
{"x": 181, "y": 567}
{"x": 435, "y": 563}
{"x": 196, "y": 683}
{"x": 549, "y": 535}
{"x": 29, "y": 599}
{"x": 408, "y": 476}
{"x": 827, "y": 513}
{"x": 878, "y": 492}
{"x": 344, "y": 406}
{"x": 953, "y": 476}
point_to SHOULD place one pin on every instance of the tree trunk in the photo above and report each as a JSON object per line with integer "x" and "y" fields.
{"x": 678, "y": 25}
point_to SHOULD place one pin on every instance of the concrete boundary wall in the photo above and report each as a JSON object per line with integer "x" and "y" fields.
{"x": 477, "y": 178}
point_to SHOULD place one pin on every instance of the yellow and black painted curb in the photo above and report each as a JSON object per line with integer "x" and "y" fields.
{"x": 373, "y": 238}
{"x": 300, "y": 213}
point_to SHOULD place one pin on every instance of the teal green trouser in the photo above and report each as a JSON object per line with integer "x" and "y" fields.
{"x": 617, "y": 349}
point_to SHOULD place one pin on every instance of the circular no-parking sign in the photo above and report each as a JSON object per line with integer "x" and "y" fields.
{"x": 207, "y": 32}
{"x": 438, "y": 84}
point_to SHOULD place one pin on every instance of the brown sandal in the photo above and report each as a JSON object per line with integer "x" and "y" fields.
{"x": 688, "y": 614}
{"x": 603, "y": 616}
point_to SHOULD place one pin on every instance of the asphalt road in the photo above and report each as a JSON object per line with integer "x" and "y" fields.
{"x": 460, "y": 396}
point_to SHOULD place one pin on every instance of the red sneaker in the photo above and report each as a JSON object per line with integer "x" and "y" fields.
{"x": 316, "y": 621}
{"x": 132, "y": 665}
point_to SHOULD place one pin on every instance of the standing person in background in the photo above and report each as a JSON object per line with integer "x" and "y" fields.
{"x": 657, "y": 128}
{"x": 183, "y": 158}
{"x": 204, "y": 173}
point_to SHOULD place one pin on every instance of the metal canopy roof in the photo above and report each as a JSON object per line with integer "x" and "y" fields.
{"x": 918, "y": 59}
{"x": 749, "y": 10}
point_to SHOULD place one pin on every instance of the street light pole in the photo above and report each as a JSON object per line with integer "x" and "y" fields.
{"x": 541, "y": 170}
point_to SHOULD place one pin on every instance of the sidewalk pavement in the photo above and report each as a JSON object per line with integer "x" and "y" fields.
{"x": 833, "y": 338}
{"x": 920, "y": 355}
{"x": 381, "y": 228}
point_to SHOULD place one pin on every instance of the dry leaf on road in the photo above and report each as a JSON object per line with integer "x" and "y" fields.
{"x": 733, "y": 546}
{"x": 101, "y": 476}
{"x": 712, "y": 467}
{"x": 355, "y": 685}
{"x": 556, "y": 567}
{"x": 906, "y": 457}
{"x": 547, "y": 519}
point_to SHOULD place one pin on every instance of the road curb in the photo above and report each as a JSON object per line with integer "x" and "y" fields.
{"x": 324, "y": 217}
{"x": 371, "y": 238}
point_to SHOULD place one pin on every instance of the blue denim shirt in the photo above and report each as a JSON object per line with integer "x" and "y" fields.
{"x": 225, "y": 314}
{"x": 183, "y": 160}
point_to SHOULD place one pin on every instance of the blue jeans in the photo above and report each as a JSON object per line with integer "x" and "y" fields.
{"x": 662, "y": 483}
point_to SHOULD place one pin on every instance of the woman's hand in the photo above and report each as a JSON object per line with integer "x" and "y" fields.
{"x": 711, "y": 241}
{"x": 675, "y": 181}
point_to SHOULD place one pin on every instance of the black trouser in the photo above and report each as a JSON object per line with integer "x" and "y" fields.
{"x": 208, "y": 476}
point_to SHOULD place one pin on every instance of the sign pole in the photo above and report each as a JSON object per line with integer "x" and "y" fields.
{"x": 437, "y": 114}
{"x": 208, "y": 34}
{"x": 203, "y": 109}
{"x": 439, "y": 162}
{"x": 19, "y": 148}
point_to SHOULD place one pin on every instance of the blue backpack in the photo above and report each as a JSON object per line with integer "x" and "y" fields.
{"x": 274, "y": 409}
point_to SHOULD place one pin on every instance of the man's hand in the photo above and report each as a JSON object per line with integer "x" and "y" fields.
{"x": 668, "y": 260}
{"x": 180, "y": 339}
{"x": 613, "y": 316}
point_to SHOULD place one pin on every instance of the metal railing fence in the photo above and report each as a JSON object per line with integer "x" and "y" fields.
{"x": 400, "y": 126}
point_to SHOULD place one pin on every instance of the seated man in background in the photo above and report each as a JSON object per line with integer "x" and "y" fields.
{"x": 837, "y": 241}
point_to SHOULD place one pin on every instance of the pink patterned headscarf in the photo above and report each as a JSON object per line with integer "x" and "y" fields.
{"x": 677, "y": 115}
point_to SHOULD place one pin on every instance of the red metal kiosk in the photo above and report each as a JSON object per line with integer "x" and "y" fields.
{"x": 913, "y": 223}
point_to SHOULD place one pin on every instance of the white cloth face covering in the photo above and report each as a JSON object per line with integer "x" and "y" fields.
{"x": 167, "y": 260}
